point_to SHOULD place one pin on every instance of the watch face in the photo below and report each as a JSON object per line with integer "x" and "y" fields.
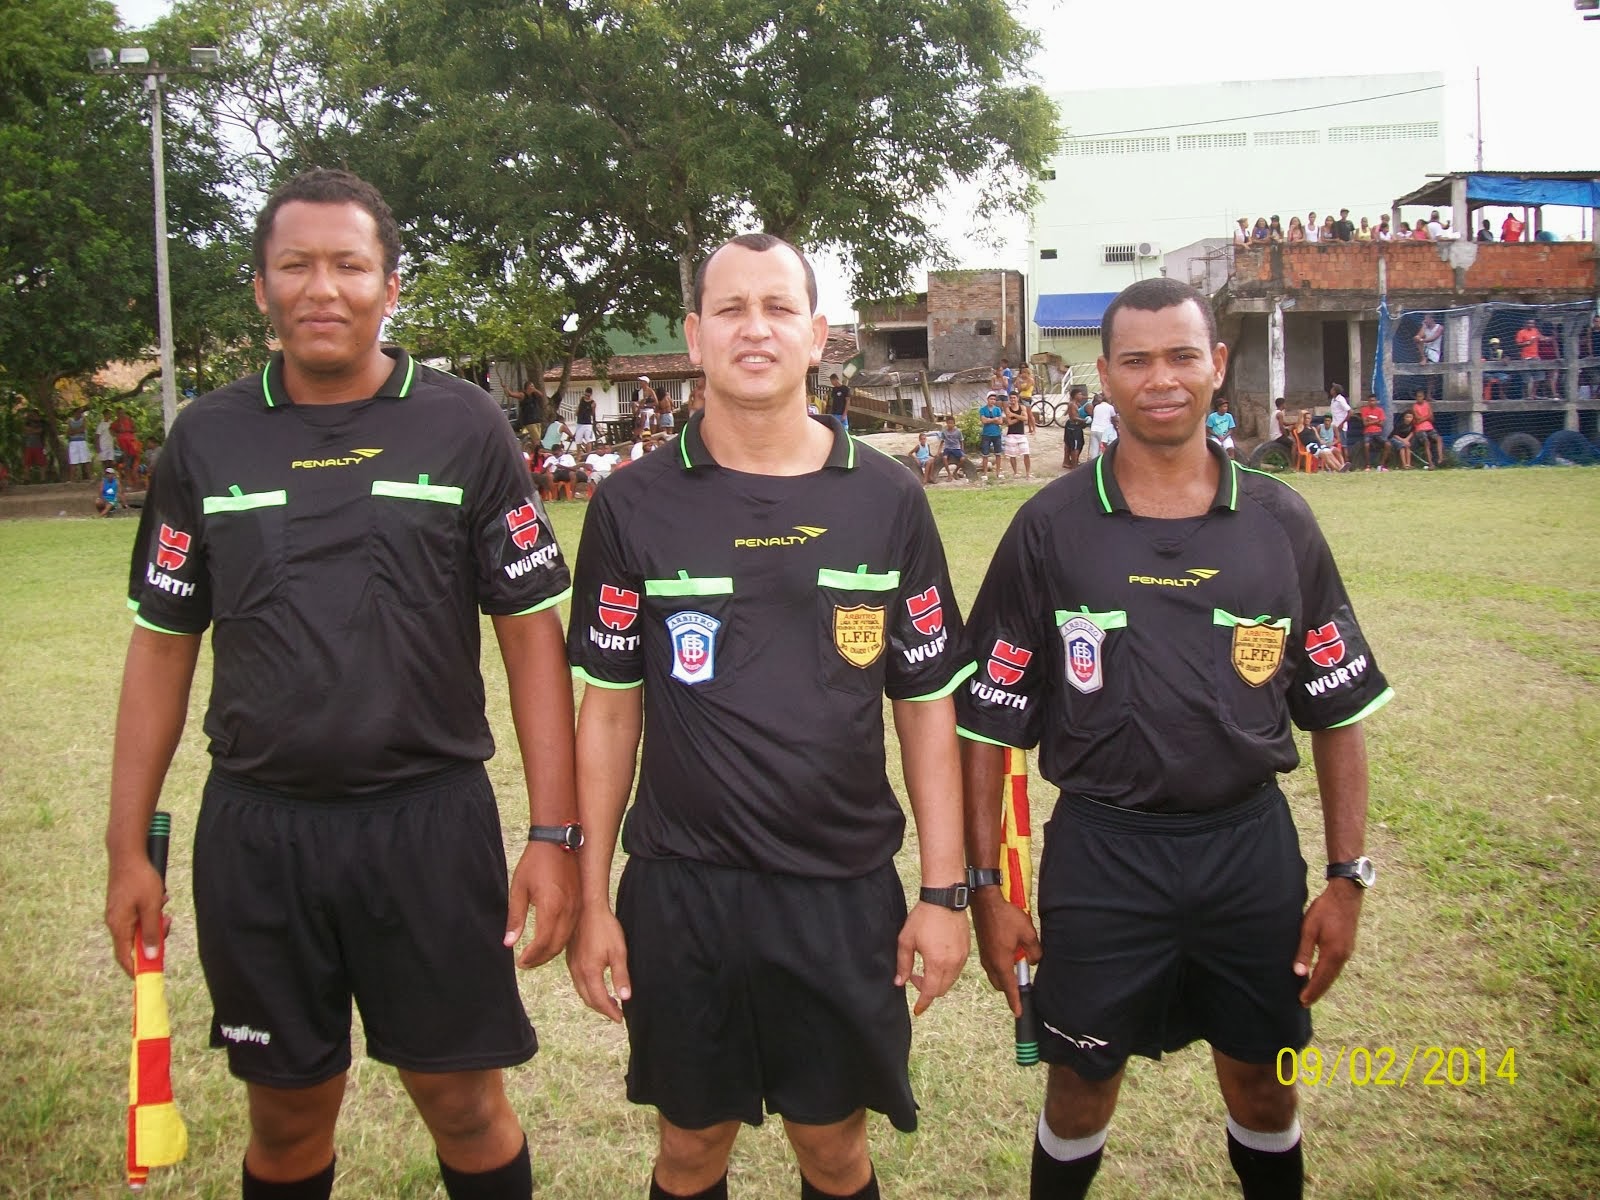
{"x": 1366, "y": 873}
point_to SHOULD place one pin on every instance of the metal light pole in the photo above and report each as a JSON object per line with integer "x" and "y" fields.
{"x": 135, "y": 60}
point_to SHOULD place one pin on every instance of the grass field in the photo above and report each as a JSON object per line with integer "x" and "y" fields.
{"x": 1480, "y": 592}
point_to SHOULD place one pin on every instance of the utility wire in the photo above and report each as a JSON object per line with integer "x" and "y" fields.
{"x": 1282, "y": 112}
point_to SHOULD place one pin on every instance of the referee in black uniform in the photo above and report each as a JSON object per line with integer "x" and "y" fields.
{"x": 731, "y": 598}
{"x": 338, "y": 521}
{"x": 1154, "y": 625}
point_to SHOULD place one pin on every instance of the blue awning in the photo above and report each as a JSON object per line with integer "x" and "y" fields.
{"x": 1072, "y": 310}
{"x": 1502, "y": 189}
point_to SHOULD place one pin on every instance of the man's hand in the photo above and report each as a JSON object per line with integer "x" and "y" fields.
{"x": 597, "y": 946}
{"x": 1329, "y": 928}
{"x": 942, "y": 938}
{"x": 545, "y": 881}
{"x": 134, "y": 896}
{"x": 1003, "y": 929}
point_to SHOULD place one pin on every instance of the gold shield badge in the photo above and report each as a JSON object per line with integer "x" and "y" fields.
{"x": 858, "y": 634}
{"x": 1257, "y": 652}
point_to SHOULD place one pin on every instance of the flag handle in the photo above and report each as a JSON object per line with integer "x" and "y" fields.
{"x": 155, "y": 844}
{"x": 1027, "y": 1023}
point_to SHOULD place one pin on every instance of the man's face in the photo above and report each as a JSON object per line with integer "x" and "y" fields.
{"x": 755, "y": 336}
{"x": 324, "y": 287}
{"x": 1161, "y": 373}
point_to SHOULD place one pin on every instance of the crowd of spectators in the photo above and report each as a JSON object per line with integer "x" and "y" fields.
{"x": 1271, "y": 230}
{"x": 1338, "y": 439}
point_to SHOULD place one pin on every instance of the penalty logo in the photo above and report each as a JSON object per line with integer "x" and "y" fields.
{"x": 694, "y": 646}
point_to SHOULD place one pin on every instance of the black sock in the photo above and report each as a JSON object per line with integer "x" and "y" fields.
{"x": 510, "y": 1181}
{"x": 317, "y": 1187}
{"x": 810, "y": 1191}
{"x": 717, "y": 1191}
{"x": 1265, "y": 1174}
{"x": 1053, "y": 1179}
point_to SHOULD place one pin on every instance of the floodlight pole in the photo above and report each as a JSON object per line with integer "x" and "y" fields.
{"x": 158, "y": 169}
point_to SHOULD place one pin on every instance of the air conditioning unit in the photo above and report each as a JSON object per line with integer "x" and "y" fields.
{"x": 1149, "y": 249}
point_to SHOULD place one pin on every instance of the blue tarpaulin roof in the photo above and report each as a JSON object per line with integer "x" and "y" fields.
{"x": 1072, "y": 310}
{"x": 1506, "y": 189}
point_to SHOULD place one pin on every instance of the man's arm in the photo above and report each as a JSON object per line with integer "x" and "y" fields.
{"x": 546, "y": 878}
{"x": 1003, "y": 929}
{"x": 928, "y": 754}
{"x": 609, "y": 723}
{"x": 150, "y": 715}
{"x": 1329, "y": 926}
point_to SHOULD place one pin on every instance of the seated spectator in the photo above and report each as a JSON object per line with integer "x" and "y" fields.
{"x": 1220, "y": 426}
{"x": 1426, "y": 437}
{"x": 600, "y": 462}
{"x": 1485, "y": 233}
{"x": 1297, "y": 231}
{"x": 1373, "y": 444}
{"x": 1344, "y": 229}
{"x": 950, "y": 439}
{"x": 110, "y": 496}
{"x": 641, "y": 446}
{"x": 1401, "y": 440}
{"x": 1305, "y": 436}
{"x": 1511, "y": 229}
{"x": 1332, "y": 449}
{"x": 1261, "y": 234}
{"x": 929, "y": 453}
{"x": 1363, "y": 231}
{"x": 1279, "y": 422}
{"x": 563, "y": 468}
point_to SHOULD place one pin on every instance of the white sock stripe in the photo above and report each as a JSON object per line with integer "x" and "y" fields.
{"x": 1267, "y": 1143}
{"x": 1069, "y": 1149}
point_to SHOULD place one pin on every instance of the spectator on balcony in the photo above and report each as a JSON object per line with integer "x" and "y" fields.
{"x": 1327, "y": 234}
{"x": 1261, "y": 234}
{"x": 1485, "y": 232}
{"x": 1421, "y": 233}
{"x": 1297, "y": 231}
{"x": 1275, "y": 229}
{"x": 1313, "y": 230}
{"x": 1528, "y": 351}
{"x": 1495, "y": 381}
{"x": 1384, "y": 233}
{"x": 1511, "y": 229}
{"x": 1220, "y": 426}
{"x": 1429, "y": 339}
{"x": 1344, "y": 229}
{"x": 1372, "y": 440}
{"x": 1363, "y": 231}
{"x": 1403, "y": 234}
{"x": 1435, "y": 226}
{"x": 1241, "y": 235}
{"x": 1401, "y": 440}
{"x": 1427, "y": 437}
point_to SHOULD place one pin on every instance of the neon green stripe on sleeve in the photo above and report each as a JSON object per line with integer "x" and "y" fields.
{"x": 143, "y": 624}
{"x": 237, "y": 501}
{"x": 1383, "y": 698}
{"x": 987, "y": 741}
{"x": 589, "y": 679}
{"x": 858, "y": 580}
{"x": 420, "y": 490}
{"x": 710, "y": 585}
{"x": 956, "y": 681}
{"x": 1104, "y": 621}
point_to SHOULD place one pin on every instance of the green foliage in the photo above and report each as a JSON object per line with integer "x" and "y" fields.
{"x": 971, "y": 427}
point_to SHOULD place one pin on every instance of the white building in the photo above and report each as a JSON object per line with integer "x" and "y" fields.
{"x": 1144, "y": 171}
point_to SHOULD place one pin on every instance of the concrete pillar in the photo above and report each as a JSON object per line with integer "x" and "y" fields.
{"x": 1388, "y": 357}
{"x": 1277, "y": 367}
{"x": 1457, "y": 337}
{"x": 1354, "y": 385}
{"x": 1572, "y": 416}
{"x": 1475, "y": 370}
{"x": 1460, "y": 218}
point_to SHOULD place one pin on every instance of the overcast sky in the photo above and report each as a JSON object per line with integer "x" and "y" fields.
{"x": 1536, "y": 57}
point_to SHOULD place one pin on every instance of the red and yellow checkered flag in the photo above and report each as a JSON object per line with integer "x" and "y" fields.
{"x": 1016, "y": 877}
{"x": 156, "y": 1134}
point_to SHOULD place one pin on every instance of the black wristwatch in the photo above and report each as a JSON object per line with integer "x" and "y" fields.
{"x": 569, "y": 837}
{"x": 1359, "y": 871}
{"x": 953, "y": 898}
{"x": 978, "y": 877}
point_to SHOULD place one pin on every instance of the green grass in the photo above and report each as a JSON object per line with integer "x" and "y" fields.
{"x": 1481, "y": 594}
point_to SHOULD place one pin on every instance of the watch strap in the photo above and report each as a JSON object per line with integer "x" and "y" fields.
{"x": 954, "y": 898}
{"x": 568, "y": 836}
{"x": 978, "y": 877}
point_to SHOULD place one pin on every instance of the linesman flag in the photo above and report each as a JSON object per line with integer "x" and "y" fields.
{"x": 1016, "y": 877}
{"x": 156, "y": 1134}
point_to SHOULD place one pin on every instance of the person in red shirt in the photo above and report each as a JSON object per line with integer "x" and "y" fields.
{"x": 1527, "y": 340}
{"x": 1427, "y": 437}
{"x": 1511, "y": 229}
{"x": 128, "y": 442}
{"x": 1372, "y": 440}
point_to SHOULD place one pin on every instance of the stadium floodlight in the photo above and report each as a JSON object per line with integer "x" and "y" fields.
{"x": 205, "y": 57}
{"x": 133, "y": 56}
{"x": 99, "y": 58}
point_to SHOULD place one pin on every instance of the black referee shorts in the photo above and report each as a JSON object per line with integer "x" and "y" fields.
{"x": 757, "y": 992}
{"x": 1160, "y": 929}
{"x": 396, "y": 900}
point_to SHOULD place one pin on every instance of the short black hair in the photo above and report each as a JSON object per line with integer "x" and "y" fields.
{"x": 761, "y": 243}
{"x": 1077, "y": 389}
{"x": 327, "y": 185}
{"x": 1153, "y": 295}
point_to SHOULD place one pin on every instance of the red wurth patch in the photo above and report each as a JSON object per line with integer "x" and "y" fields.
{"x": 1007, "y": 662}
{"x": 927, "y": 613}
{"x": 172, "y": 548}
{"x": 524, "y": 525}
{"x": 619, "y": 608}
{"x": 1325, "y": 645}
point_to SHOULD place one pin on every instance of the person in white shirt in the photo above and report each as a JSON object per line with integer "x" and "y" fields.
{"x": 600, "y": 462}
{"x": 1102, "y": 427}
{"x": 1313, "y": 230}
{"x": 1435, "y": 226}
{"x": 1280, "y": 427}
{"x": 1339, "y": 412}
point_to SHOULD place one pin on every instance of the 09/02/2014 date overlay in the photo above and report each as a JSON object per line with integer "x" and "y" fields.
{"x": 1391, "y": 1066}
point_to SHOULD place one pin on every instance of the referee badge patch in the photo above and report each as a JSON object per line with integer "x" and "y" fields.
{"x": 858, "y": 634}
{"x": 1257, "y": 652}
{"x": 694, "y": 646}
{"x": 1081, "y": 639}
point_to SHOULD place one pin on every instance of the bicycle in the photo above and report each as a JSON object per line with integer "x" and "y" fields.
{"x": 1044, "y": 412}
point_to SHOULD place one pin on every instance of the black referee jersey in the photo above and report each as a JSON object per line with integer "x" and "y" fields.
{"x": 1158, "y": 663}
{"x": 766, "y": 618}
{"x": 341, "y": 553}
